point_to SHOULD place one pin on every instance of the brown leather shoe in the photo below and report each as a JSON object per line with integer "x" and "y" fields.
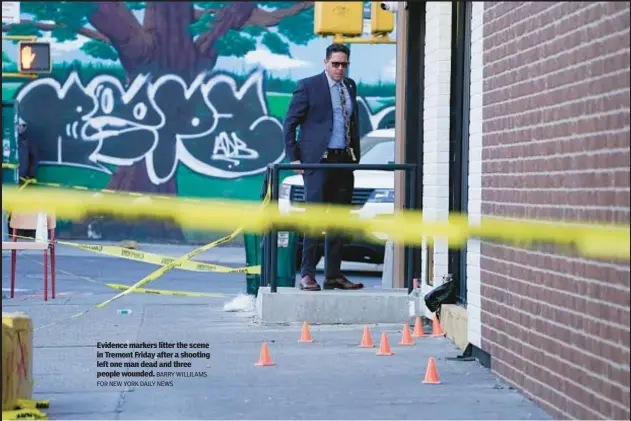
{"x": 307, "y": 283}
{"x": 341, "y": 282}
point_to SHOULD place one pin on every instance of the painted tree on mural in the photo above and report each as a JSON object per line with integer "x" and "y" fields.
{"x": 182, "y": 38}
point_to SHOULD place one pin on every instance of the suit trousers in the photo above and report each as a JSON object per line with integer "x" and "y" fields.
{"x": 332, "y": 187}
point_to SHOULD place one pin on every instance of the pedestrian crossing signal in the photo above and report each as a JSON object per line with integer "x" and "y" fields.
{"x": 34, "y": 57}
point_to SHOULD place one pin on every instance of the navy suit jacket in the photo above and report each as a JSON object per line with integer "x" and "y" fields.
{"x": 312, "y": 110}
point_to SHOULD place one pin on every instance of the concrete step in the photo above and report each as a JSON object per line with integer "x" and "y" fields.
{"x": 332, "y": 306}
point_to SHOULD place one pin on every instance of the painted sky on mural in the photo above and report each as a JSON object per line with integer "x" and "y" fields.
{"x": 305, "y": 61}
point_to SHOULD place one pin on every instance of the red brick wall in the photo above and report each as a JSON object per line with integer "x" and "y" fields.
{"x": 556, "y": 145}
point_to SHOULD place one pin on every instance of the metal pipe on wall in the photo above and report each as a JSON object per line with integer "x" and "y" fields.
{"x": 398, "y": 267}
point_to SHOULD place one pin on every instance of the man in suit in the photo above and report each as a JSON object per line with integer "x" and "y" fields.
{"x": 325, "y": 108}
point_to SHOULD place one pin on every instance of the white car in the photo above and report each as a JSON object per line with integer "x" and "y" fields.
{"x": 373, "y": 195}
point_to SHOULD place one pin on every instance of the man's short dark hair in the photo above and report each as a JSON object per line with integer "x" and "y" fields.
{"x": 337, "y": 48}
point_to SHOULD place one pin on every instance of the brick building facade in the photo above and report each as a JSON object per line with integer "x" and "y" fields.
{"x": 548, "y": 138}
{"x": 555, "y": 145}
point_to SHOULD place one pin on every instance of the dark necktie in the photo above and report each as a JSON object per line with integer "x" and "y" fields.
{"x": 347, "y": 126}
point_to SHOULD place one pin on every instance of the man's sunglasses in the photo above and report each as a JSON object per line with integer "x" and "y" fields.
{"x": 337, "y": 64}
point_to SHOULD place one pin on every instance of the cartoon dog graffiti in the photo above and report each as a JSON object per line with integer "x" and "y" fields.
{"x": 123, "y": 122}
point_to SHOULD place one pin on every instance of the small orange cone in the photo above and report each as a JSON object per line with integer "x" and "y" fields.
{"x": 406, "y": 337}
{"x": 437, "y": 330}
{"x": 305, "y": 335}
{"x": 431, "y": 375}
{"x": 366, "y": 339}
{"x": 418, "y": 328}
{"x": 265, "y": 359}
{"x": 384, "y": 347}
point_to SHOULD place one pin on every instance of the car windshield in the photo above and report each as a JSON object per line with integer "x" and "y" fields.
{"x": 368, "y": 142}
{"x": 379, "y": 153}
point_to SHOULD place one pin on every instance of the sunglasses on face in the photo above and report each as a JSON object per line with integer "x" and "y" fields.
{"x": 338, "y": 64}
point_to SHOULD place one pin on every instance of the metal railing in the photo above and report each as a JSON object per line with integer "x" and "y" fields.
{"x": 269, "y": 264}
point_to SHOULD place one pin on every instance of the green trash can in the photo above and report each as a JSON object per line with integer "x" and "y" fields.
{"x": 286, "y": 260}
{"x": 253, "y": 257}
{"x": 286, "y": 272}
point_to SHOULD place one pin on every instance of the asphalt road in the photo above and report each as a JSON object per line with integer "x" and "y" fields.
{"x": 330, "y": 378}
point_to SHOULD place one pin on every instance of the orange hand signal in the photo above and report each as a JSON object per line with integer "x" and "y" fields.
{"x": 27, "y": 57}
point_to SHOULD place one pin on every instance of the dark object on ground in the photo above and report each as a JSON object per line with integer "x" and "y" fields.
{"x": 442, "y": 294}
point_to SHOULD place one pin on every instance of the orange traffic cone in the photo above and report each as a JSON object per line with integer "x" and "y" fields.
{"x": 305, "y": 335}
{"x": 418, "y": 328}
{"x": 384, "y": 347}
{"x": 431, "y": 375}
{"x": 406, "y": 337}
{"x": 437, "y": 330}
{"x": 265, "y": 359}
{"x": 366, "y": 339}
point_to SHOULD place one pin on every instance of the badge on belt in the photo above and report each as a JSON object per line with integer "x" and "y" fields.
{"x": 352, "y": 153}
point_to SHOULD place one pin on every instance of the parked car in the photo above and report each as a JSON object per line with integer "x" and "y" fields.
{"x": 373, "y": 195}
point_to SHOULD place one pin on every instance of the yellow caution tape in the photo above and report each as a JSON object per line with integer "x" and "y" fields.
{"x": 156, "y": 259}
{"x": 22, "y": 187}
{"x": 26, "y": 183}
{"x": 109, "y": 191}
{"x": 613, "y": 241}
{"x": 161, "y": 271}
{"x": 33, "y": 404}
{"x": 122, "y": 287}
{"x": 149, "y": 278}
{"x": 27, "y": 410}
{"x": 167, "y": 292}
{"x": 24, "y": 414}
{"x": 143, "y": 256}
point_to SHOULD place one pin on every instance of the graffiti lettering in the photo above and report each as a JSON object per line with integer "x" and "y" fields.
{"x": 229, "y": 148}
{"x": 209, "y": 125}
{"x": 163, "y": 122}
{"x": 254, "y": 139}
{"x": 53, "y": 112}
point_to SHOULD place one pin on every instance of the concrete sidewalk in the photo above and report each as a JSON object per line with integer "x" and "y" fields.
{"x": 329, "y": 379}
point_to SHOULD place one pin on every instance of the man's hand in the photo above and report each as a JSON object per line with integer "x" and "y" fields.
{"x": 27, "y": 57}
{"x": 298, "y": 171}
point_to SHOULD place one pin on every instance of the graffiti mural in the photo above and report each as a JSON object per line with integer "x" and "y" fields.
{"x": 176, "y": 98}
{"x": 217, "y": 129}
